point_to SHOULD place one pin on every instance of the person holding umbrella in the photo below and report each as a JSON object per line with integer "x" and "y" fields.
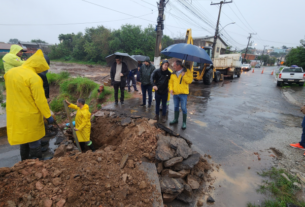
{"x": 145, "y": 73}
{"x": 118, "y": 73}
{"x": 179, "y": 88}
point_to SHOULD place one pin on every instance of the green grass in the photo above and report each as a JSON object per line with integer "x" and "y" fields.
{"x": 282, "y": 191}
{"x": 81, "y": 87}
{"x": 57, "y": 104}
{"x": 56, "y": 78}
{"x": 80, "y": 62}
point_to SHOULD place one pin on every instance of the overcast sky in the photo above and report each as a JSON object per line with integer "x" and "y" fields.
{"x": 276, "y": 22}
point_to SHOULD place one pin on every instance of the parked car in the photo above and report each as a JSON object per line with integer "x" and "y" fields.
{"x": 291, "y": 75}
{"x": 246, "y": 67}
{"x": 258, "y": 65}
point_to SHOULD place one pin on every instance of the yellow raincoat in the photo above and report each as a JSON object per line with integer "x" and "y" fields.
{"x": 11, "y": 60}
{"x": 180, "y": 86}
{"x": 82, "y": 122}
{"x": 26, "y": 104}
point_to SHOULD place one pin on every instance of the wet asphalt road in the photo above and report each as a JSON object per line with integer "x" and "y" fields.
{"x": 230, "y": 121}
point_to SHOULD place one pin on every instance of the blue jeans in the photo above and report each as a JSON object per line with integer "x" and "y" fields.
{"x": 149, "y": 89}
{"x": 302, "y": 143}
{"x": 160, "y": 98}
{"x": 134, "y": 83}
{"x": 181, "y": 98}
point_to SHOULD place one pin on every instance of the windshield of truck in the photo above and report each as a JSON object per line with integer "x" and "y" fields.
{"x": 245, "y": 65}
{"x": 292, "y": 70}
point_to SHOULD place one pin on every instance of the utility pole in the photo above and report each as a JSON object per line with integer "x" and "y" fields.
{"x": 217, "y": 25}
{"x": 264, "y": 52}
{"x": 245, "y": 57}
{"x": 159, "y": 30}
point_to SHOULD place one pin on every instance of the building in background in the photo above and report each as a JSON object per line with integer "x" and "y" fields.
{"x": 4, "y": 48}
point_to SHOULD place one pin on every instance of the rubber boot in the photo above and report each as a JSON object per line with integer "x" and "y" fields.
{"x": 92, "y": 147}
{"x": 44, "y": 142}
{"x": 175, "y": 121}
{"x": 24, "y": 151}
{"x": 36, "y": 153}
{"x": 184, "y": 121}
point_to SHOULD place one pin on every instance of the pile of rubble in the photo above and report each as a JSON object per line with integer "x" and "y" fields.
{"x": 113, "y": 175}
{"x": 180, "y": 169}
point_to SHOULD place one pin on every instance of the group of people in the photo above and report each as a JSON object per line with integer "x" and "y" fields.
{"x": 27, "y": 108}
{"x": 162, "y": 81}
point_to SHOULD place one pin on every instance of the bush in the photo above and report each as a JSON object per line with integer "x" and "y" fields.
{"x": 80, "y": 86}
{"x": 54, "y": 78}
{"x": 1, "y": 65}
{"x": 57, "y": 104}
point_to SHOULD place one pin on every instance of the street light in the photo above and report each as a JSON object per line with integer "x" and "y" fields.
{"x": 226, "y": 25}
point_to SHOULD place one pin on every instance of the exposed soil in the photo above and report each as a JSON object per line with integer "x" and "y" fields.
{"x": 96, "y": 73}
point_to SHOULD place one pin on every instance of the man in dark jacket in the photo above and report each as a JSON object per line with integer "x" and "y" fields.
{"x": 132, "y": 79}
{"x": 160, "y": 79}
{"x": 145, "y": 73}
{"x": 118, "y": 74}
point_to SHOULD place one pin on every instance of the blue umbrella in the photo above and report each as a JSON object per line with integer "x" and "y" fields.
{"x": 188, "y": 52}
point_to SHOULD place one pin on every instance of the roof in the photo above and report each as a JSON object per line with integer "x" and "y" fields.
{"x": 5, "y": 46}
{"x": 209, "y": 37}
{"x": 27, "y": 43}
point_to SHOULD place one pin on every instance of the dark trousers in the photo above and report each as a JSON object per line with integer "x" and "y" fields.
{"x": 134, "y": 83}
{"x": 302, "y": 143}
{"x": 160, "y": 98}
{"x": 117, "y": 86}
{"x": 149, "y": 89}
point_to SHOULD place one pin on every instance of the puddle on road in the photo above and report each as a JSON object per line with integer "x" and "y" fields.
{"x": 236, "y": 184}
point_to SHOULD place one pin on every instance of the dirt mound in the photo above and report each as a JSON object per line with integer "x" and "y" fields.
{"x": 111, "y": 176}
{"x": 84, "y": 179}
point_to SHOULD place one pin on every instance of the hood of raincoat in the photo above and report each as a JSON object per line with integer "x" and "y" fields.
{"x": 37, "y": 62}
{"x": 15, "y": 49}
{"x": 85, "y": 107}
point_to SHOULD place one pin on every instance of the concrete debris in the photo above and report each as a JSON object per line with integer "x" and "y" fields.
{"x": 173, "y": 161}
{"x": 168, "y": 197}
{"x": 185, "y": 197}
{"x": 210, "y": 199}
{"x": 193, "y": 181}
{"x": 285, "y": 176}
{"x": 181, "y": 147}
{"x": 171, "y": 185}
{"x": 126, "y": 121}
{"x": 60, "y": 151}
{"x": 123, "y": 161}
{"x": 189, "y": 163}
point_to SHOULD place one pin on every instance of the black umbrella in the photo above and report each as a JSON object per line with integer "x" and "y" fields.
{"x": 139, "y": 57}
{"x": 126, "y": 58}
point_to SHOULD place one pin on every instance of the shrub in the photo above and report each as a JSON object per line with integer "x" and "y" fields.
{"x": 57, "y": 104}
{"x": 80, "y": 86}
{"x": 55, "y": 78}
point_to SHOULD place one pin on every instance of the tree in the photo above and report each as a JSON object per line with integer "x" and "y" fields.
{"x": 13, "y": 41}
{"x": 302, "y": 42}
{"x": 284, "y": 47}
{"x": 38, "y": 41}
{"x": 296, "y": 56}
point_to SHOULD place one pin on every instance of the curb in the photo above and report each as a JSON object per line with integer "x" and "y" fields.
{"x": 290, "y": 99}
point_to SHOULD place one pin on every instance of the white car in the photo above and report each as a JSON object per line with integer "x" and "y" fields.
{"x": 291, "y": 75}
{"x": 246, "y": 67}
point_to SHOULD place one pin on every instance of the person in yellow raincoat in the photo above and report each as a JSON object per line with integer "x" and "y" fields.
{"x": 179, "y": 88}
{"x": 13, "y": 58}
{"x": 82, "y": 123}
{"x": 26, "y": 106}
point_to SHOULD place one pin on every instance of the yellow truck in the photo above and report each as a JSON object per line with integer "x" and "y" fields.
{"x": 228, "y": 65}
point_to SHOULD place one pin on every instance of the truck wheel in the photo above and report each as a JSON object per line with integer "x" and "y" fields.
{"x": 279, "y": 83}
{"x": 301, "y": 84}
{"x": 217, "y": 76}
{"x": 208, "y": 77}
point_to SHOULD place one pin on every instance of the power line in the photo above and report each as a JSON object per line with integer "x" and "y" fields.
{"x": 58, "y": 24}
{"x": 243, "y": 17}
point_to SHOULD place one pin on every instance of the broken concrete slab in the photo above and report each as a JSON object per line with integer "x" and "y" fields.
{"x": 99, "y": 113}
{"x": 171, "y": 185}
{"x": 60, "y": 151}
{"x": 168, "y": 197}
{"x": 173, "y": 161}
{"x": 189, "y": 163}
{"x": 185, "y": 197}
{"x": 126, "y": 121}
{"x": 152, "y": 175}
{"x": 193, "y": 181}
{"x": 164, "y": 152}
{"x": 181, "y": 147}
{"x": 210, "y": 199}
{"x": 141, "y": 130}
{"x": 170, "y": 173}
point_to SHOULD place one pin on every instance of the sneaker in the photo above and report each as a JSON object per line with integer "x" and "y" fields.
{"x": 136, "y": 90}
{"x": 297, "y": 145}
